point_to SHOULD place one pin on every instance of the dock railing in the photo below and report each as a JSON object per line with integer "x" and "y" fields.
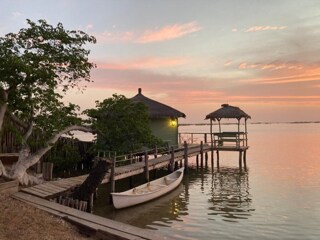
{"x": 220, "y": 139}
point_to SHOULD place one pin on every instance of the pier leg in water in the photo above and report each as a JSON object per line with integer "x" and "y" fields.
{"x": 206, "y": 158}
{"x": 176, "y": 165}
{"x": 212, "y": 160}
{"x": 197, "y": 161}
{"x": 218, "y": 160}
{"x": 245, "y": 160}
{"x": 240, "y": 161}
{"x": 201, "y": 153}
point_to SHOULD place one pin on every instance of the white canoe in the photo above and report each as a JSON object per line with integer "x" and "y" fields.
{"x": 148, "y": 191}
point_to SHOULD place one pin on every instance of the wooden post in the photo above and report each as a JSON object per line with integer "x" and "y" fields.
{"x": 50, "y": 169}
{"x": 245, "y": 160}
{"x": 112, "y": 177}
{"x": 185, "y": 156}
{"x": 212, "y": 159}
{"x": 246, "y": 131}
{"x": 146, "y": 164}
{"x": 191, "y": 138}
{"x": 172, "y": 160}
{"x": 205, "y": 138}
{"x": 219, "y": 125}
{"x": 206, "y": 158}
{"x": 197, "y": 160}
{"x": 156, "y": 151}
{"x": 90, "y": 208}
{"x": 240, "y": 161}
{"x": 201, "y": 153}
{"x": 218, "y": 160}
{"x": 211, "y": 137}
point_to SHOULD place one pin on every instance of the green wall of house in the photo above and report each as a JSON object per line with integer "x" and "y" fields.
{"x": 162, "y": 129}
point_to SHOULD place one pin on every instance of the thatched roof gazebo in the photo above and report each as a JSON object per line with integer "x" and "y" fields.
{"x": 229, "y": 112}
{"x": 164, "y": 119}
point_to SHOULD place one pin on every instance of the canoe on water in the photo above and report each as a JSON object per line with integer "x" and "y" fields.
{"x": 148, "y": 191}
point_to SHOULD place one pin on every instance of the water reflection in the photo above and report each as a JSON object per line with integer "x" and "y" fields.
{"x": 230, "y": 195}
{"x": 222, "y": 195}
{"x": 160, "y": 212}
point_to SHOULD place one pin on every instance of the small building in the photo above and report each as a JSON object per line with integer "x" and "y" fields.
{"x": 163, "y": 118}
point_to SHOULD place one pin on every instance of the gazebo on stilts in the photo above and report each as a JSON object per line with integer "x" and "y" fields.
{"x": 229, "y": 141}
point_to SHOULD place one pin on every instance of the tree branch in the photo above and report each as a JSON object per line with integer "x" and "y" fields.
{"x": 34, "y": 158}
{"x": 16, "y": 120}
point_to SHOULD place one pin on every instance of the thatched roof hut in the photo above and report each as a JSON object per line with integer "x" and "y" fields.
{"x": 163, "y": 118}
{"x": 227, "y": 111}
{"x": 157, "y": 109}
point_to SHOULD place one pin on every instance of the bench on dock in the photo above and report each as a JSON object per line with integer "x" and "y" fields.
{"x": 236, "y": 139}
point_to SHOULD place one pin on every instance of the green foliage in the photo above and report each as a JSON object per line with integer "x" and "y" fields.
{"x": 37, "y": 65}
{"x": 123, "y": 125}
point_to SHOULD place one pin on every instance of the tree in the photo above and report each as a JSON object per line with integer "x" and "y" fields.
{"x": 37, "y": 65}
{"x": 124, "y": 124}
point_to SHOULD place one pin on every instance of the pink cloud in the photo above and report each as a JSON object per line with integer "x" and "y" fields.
{"x": 163, "y": 34}
{"x": 143, "y": 63}
{"x": 234, "y": 30}
{"x": 168, "y": 32}
{"x": 228, "y": 63}
{"x": 271, "y": 66}
{"x": 288, "y": 73}
{"x": 264, "y": 28}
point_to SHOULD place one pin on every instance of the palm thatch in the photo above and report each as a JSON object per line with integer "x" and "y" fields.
{"x": 227, "y": 111}
{"x": 156, "y": 109}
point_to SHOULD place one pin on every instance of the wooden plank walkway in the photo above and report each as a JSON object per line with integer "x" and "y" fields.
{"x": 56, "y": 188}
{"x": 91, "y": 224}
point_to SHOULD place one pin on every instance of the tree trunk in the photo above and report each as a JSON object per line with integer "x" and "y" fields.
{"x": 89, "y": 186}
{"x": 3, "y": 109}
{"x": 26, "y": 160}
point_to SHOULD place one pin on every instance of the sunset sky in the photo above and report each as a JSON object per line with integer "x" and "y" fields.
{"x": 263, "y": 56}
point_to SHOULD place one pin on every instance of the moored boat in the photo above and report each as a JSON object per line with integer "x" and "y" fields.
{"x": 148, "y": 191}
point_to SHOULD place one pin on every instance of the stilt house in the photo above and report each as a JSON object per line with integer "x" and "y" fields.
{"x": 163, "y": 118}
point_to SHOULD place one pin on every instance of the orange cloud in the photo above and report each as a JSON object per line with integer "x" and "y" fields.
{"x": 143, "y": 63}
{"x": 264, "y": 28}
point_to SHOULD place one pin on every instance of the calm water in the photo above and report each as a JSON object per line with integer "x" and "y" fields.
{"x": 278, "y": 198}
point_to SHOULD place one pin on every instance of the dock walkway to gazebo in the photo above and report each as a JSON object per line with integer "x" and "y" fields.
{"x": 53, "y": 189}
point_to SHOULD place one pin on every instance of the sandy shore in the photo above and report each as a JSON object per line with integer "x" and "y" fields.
{"x": 19, "y": 220}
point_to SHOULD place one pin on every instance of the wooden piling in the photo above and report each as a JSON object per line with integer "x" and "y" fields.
{"x": 112, "y": 177}
{"x": 245, "y": 160}
{"x": 172, "y": 160}
{"x": 185, "y": 156}
{"x": 146, "y": 164}
{"x": 206, "y": 158}
{"x": 240, "y": 161}
{"x": 218, "y": 160}
{"x": 212, "y": 159}
{"x": 156, "y": 151}
{"x": 201, "y": 153}
{"x": 197, "y": 160}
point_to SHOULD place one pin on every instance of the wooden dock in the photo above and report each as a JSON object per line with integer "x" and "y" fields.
{"x": 90, "y": 224}
{"x": 53, "y": 189}
{"x": 108, "y": 229}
